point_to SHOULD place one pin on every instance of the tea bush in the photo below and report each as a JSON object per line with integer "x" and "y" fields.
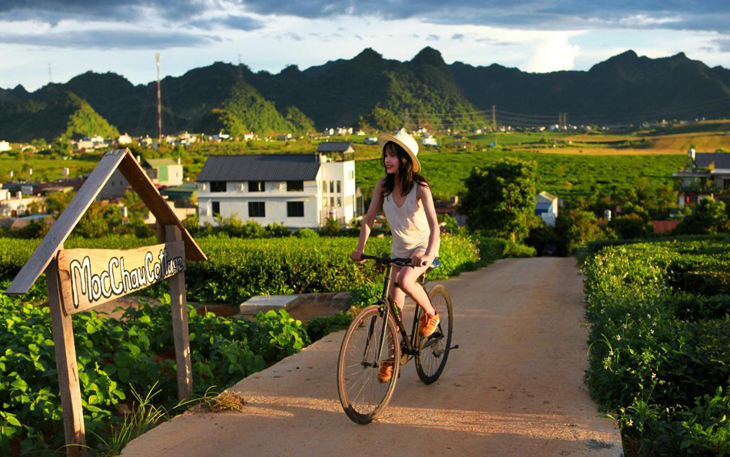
{"x": 115, "y": 356}
{"x": 660, "y": 343}
{"x": 238, "y": 269}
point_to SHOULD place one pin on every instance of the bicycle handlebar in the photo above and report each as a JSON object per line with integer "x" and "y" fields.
{"x": 401, "y": 262}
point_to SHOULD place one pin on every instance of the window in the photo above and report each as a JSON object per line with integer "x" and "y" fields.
{"x": 256, "y": 209}
{"x": 339, "y": 187}
{"x": 339, "y": 202}
{"x": 256, "y": 186}
{"x": 726, "y": 184}
{"x": 216, "y": 208}
{"x": 332, "y": 202}
{"x": 324, "y": 186}
{"x": 332, "y": 187}
{"x": 295, "y": 186}
{"x": 295, "y": 209}
{"x": 352, "y": 174}
{"x": 217, "y": 186}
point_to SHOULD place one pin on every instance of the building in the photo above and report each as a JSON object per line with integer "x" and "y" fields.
{"x": 341, "y": 150}
{"x": 162, "y": 172}
{"x": 546, "y": 206}
{"x": 166, "y": 172}
{"x": 4, "y": 146}
{"x": 14, "y": 205}
{"x": 124, "y": 140}
{"x": 429, "y": 140}
{"x": 706, "y": 174}
{"x": 296, "y": 190}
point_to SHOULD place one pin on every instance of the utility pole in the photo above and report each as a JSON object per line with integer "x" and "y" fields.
{"x": 240, "y": 68}
{"x": 494, "y": 124}
{"x": 159, "y": 101}
{"x": 406, "y": 120}
{"x": 565, "y": 120}
{"x": 560, "y": 120}
{"x": 50, "y": 79}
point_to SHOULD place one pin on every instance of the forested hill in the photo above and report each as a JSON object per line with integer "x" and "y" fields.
{"x": 369, "y": 90}
{"x": 60, "y": 114}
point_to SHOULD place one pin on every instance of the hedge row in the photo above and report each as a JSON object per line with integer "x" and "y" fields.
{"x": 660, "y": 343}
{"x": 238, "y": 269}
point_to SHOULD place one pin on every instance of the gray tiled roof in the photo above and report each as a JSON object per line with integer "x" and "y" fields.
{"x": 721, "y": 159}
{"x": 260, "y": 167}
{"x": 334, "y": 146}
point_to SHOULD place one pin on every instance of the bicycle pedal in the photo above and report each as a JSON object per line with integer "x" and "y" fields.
{"x": 456, "y": 346}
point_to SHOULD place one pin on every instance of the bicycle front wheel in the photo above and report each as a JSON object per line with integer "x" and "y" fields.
{"x": 434, "y": 350}
{"x": 362, "y": 395}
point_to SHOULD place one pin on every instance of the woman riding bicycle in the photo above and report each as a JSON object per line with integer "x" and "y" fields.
{"x": 406, "y": 199}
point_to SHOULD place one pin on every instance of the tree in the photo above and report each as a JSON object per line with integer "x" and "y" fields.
{"x": 631, "y": 225}
{"x": 500, "y": 199}
{"x": 708, "y": 217}
{"x": 99, "y": 220}
{"x": 56, "y": 202}
{"x": 575, "y": 228}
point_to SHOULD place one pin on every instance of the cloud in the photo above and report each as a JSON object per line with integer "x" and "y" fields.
{"x": 552, "y": 54}
{"x": 722, "y": 44}
{"x": 105, "y": 10}
{"x": 706, "y": 15}
{"x": 536, "y": 14}
{"x": 244, "y": 23}
{"x": 457, "y": 36}
{"x": 110, "y": 39}
{"x": 433, "y": 37}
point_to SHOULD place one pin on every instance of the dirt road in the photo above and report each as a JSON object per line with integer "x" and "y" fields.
{"x": 514, "y": 388}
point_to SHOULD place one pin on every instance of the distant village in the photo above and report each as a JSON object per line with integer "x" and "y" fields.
{"x": 295, "y": 190}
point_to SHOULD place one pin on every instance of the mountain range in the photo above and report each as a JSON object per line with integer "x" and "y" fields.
{"x": 370, "y": 91}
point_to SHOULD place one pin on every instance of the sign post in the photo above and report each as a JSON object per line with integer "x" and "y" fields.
{"x": 81, "y": 279}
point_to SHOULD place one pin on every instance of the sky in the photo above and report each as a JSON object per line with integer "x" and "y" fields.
{"x": 55, "y": 40}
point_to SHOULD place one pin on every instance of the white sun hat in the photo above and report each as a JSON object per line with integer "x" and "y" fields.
{"x": 405, "y": 141}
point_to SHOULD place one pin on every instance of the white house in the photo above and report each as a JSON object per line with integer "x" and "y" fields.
{"x": 429, "y": 140}
{"x": 4, "y": 146}
{"x": 546, "y": 206}
{"x": 123, "y": 140}
{"x": 297, "y": 190}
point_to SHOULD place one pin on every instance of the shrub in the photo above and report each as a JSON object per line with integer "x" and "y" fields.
{"x": 658, "y": 349}
{"x": 307, "y": 233}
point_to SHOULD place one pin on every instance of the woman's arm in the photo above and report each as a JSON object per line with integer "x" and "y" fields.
{"x": 424, "y": 194}
{"x": 367, "y": 222}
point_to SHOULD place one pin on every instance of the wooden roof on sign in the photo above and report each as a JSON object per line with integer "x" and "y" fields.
{"x": 140, "y": 182}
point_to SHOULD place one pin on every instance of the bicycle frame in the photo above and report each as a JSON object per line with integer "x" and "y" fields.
{"x": 388, "y": 306}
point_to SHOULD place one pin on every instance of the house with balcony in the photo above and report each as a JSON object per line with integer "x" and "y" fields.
{"x": 296, "y": 190}
{"x": 706, "y": 174}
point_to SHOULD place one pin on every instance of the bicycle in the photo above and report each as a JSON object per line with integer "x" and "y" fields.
{"x": 363, "y": 349}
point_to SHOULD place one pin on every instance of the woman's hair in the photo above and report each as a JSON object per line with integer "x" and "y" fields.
{"x": 405, "y": 172}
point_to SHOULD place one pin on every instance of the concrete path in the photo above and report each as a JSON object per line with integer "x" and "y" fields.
{"x": 514, "y": 388}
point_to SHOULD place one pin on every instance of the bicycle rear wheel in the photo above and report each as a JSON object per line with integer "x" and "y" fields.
{"x": 362, "y": 395}
{"x": 434, "y": 350}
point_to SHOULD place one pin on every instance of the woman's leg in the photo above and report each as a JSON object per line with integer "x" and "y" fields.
{"x": 396, "y": 293}
{"x": 407, "y": 283}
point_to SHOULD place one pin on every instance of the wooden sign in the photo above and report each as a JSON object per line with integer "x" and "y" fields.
{"x": 91, "y": 277}
{"x": 80, "y": 279}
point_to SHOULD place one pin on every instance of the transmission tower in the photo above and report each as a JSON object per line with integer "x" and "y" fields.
{"x": 159, "y": 100}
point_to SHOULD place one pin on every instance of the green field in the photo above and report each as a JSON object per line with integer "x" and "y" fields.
{"x": 566, "y": 176}
{"x": 44, "y": 169}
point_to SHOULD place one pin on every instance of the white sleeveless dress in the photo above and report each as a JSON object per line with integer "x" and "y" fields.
{"x": 408, "y": 225}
